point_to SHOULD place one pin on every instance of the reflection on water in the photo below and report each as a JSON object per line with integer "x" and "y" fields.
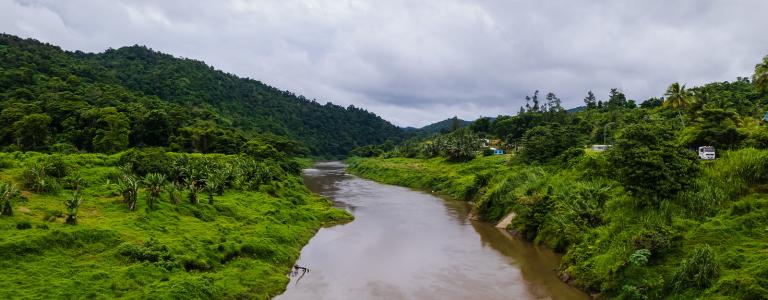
{"x": 405, "y": 244}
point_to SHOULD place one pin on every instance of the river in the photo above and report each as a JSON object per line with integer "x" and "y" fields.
{"x": 406, "y": 244}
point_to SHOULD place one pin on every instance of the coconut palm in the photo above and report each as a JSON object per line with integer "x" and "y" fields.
{"x": 760, "y": 78}
{"x": 154, "y": 182}
{"x": 72, "y": 205}
{"x": 678, "y": 97}
{"x": 7, "y": 191}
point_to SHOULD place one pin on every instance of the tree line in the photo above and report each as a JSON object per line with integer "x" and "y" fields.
{"x": 54, "y": 100}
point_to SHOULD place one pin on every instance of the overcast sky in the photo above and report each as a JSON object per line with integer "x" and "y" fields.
{"x": 417, "y": 62}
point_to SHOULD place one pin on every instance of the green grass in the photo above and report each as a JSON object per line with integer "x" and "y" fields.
{"x": 457, "y": 180}
{"x": 584, "y": 212}
{"x": 241, "y": 247}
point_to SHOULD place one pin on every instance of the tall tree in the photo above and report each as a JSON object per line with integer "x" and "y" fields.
{"x": 760, "y": 78}
{"x": 590, "y": 100}
{"x": 679, "y": 98}
{"x": 154, "y": 182}
{"x": 616, "y": 99}
{"x": 553, "y": 103}
{"x": 455, "y": 124}
{"x": 31, "y": 132}
{"x": 535, "y": 99}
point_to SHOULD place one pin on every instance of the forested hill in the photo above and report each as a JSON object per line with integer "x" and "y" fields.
{"x": 443, "y": 126}
{"x": 134, "y": 96}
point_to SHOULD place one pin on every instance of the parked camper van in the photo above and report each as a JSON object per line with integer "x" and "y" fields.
{"x": 707, "y": 152}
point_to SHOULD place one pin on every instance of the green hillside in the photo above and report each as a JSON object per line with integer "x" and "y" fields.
{"x": 647, "y": 218}
{"x": 133, "y": 96}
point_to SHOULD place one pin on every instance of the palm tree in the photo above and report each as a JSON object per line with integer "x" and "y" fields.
{"x": 154, "y": 182}
{"x": 214, "y": 184}
{"x": 7, "y": 191}
{"x": 760, "y": 78}
{"x": 72, "y": 205}
{"x": 678, "y": 97}
{"x": 174, "y": 192}
{"x": 76, "y": 182}
{"x": 129, "y": 188}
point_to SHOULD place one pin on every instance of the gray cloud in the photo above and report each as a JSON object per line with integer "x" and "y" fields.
{"x": 416, "y": 62}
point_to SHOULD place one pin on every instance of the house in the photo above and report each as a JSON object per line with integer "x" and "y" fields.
{"x": 600, "y": 148}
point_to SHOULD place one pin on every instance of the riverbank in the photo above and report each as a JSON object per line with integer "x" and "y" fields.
{"x": 708, "y": 242}
{"x": 240, "y": 245}
{"x": 406, "y": 244}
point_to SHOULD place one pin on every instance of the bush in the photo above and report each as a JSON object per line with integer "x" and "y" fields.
{"x": 366, "y": 151}
{"x": 697, "y": 271}
{"x": 36, "y": 179}
{"x": 146, "y": 160}
{"x": 56, "y": 166}
{"x": 23, "y": 225}
{"x": 151, "y": 251}
{"x": 649, "y": 166}
{"x": 459, "y": 146}
{"x": 543, "y": 143}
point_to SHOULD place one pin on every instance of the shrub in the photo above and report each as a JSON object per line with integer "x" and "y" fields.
{"x": 7, "y": 192}
{"x": 129, "y": 189}
{"x": 154, "y": 182}
{"x": 649, "y": 166}
{"x": 697, "y": 271}
{"x": 543, "y": 143}
{"x": 459, "y": 146}
{"x": 36, "y": 178}
{"x": 23, "y": 225}
{"x": 146, "y": 160}
{"x": 366, "y": 151}
{"x": 72, "y": 204}
{"x": 640, "y": 257}
{"x": 56, "y": 166}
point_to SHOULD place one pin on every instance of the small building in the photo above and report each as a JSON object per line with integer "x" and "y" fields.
{"x": 600, "y": 148}
{"x": 707, "y": 152}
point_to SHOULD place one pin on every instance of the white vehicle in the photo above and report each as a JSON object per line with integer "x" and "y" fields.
{"x": 707, "y": 152}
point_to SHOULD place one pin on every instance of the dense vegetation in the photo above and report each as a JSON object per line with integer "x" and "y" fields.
{"x": 646, "y": 219}
{"x": 131, "y": 173}
{"x": 59, "y": 101}
{"x": 151, "y": 224}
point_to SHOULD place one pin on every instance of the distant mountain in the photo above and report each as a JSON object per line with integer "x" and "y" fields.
{"x": 446, "y": 124}
{"x": 135, "y": 96}
{"x": 576, "y": 109}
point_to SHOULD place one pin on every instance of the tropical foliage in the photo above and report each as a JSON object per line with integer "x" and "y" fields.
{"x": 644, "y": 219}
{"x": 55, "y": 100}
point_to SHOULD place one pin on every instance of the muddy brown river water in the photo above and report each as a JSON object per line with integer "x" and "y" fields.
{"x": 406, "y": 244}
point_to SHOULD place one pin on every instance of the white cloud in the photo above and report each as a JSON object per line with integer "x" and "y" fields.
{"x": 416, "y": 62}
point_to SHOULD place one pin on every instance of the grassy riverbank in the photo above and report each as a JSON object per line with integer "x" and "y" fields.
{"x": 710, "y": 241}
{"x": 239, "y": 246}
